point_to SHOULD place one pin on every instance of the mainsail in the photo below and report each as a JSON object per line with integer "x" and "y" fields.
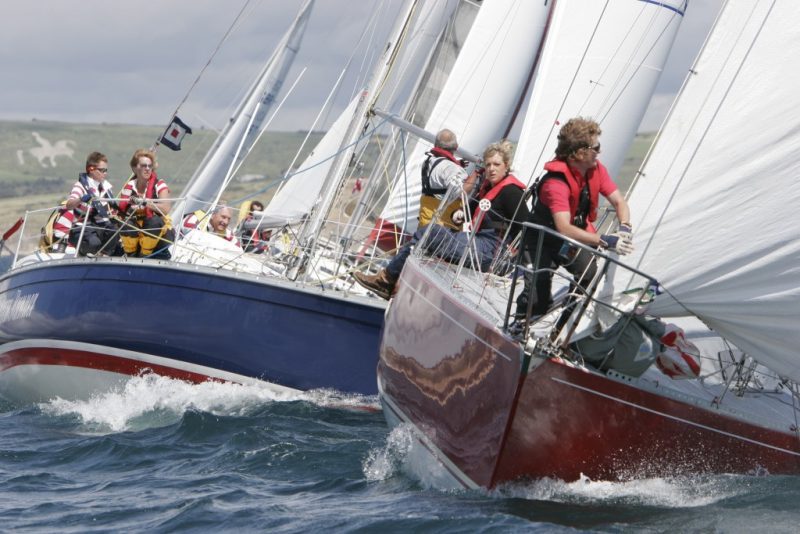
{"x": 714, "y": 205}
{"x": 479, "y": 97}
{"x": 601, "y": 60}
{"x": 240, "y": 134}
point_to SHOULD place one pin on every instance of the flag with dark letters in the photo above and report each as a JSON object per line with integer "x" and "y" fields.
{"x": 174, "y": 134}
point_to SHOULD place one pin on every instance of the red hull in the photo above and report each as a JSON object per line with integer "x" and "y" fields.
{"x": 466, "y": 387}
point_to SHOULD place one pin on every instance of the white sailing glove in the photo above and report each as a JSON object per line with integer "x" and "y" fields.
{"x": 625, "y": 231}
{"x": 616, "y": 243}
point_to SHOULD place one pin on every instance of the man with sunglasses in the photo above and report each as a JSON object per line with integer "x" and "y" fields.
{"x": 565, "y": 199}
{"x": 90, "y": 209}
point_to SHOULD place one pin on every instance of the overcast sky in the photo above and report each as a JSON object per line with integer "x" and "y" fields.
{"x": 130, "y": 61}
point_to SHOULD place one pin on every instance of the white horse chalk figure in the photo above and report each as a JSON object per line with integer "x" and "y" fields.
{"x": 49, "y": 151}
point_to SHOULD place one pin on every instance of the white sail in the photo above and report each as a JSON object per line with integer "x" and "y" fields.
{"x": 715, "y": 205}
{"x": 479, "y": 98}
{"x": 299, "y": 194}
{"x": 301, "y": 191}
{"x": 602, "y": 60}
{"x": 238, "y": 137}
{"x": 358, "y": 122}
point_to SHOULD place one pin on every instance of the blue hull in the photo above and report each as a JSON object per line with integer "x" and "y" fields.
{"x": 241, "y": 324}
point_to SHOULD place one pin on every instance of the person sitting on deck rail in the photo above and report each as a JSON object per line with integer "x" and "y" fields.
{"x": 506, "y": 194}
{"x": 147, "y": 229}
{"x": 566, "y": 200}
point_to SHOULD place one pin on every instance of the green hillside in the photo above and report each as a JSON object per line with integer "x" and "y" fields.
{"x": 39, "y": 161}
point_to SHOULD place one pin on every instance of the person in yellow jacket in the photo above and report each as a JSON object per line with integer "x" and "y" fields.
{"x": 144, "y": 205}
{"x": 440, "y": 171}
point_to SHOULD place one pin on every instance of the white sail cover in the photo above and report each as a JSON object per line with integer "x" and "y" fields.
{"x": 714, "y": 208}
{"x": 478, "y": 99}
{"x": 602, "y": 60}
{"x": 301, "y": 191}
{"x": 238, "y": 137}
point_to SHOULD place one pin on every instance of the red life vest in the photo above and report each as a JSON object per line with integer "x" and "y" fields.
{"x": 594, "y": 176}
{"x": 149, "y": 192}
{"x": 489, "y": 192}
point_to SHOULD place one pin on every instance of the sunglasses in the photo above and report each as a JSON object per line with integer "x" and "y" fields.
{"x": 145, "y": 166}
{"x": 101, "y": 169}
{"x": 596, "y": 147}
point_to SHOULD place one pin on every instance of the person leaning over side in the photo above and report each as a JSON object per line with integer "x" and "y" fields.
{"x": 502, "y": 189}
{"x": 567, "y": 200}
{"x": 144, "y": 205}
{"x": 87, "y": 197}
{"x": 440, "y": 171}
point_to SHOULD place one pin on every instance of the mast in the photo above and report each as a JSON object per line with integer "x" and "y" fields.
{"x": 438, "y": 32}
{"x": 310, "y": 233}
{"x": 241, "y": 132}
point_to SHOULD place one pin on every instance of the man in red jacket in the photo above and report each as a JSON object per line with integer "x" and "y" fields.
{"x": 566, "y": 201}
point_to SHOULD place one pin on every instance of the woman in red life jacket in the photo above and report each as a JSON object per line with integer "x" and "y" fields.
{"x": 490, "y": 229}
{"x": 144, "y": 205}
{"x": 566, "y": 200}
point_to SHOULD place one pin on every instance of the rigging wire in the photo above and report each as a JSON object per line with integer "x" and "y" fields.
{"x": 208, "y": 63}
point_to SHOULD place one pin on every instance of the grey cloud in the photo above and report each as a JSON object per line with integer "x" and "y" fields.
{"x": 129, "y": 61}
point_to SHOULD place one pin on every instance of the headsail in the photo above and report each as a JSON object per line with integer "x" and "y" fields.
{"x": 715, "y": 204}
{"x": 295, "y": 200}
{"x": 238, "y": 137}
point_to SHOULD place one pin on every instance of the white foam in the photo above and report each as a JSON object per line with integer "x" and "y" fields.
{"x": 150, "y": 401}
{"x": 384, "y": 462}
{"x": 679, "y": 492}
{"x": 403, "y": 453}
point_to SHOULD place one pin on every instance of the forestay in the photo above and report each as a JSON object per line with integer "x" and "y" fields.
{"x": 715, "y": 205}
{"x": 481, "y": 93}
{"x": 602, "y": 60}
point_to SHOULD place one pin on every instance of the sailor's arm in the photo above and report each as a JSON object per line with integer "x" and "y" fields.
{"x": 564, "y": 226}
{"x": 621, "y": 207}
{"x": 161, "y": 205}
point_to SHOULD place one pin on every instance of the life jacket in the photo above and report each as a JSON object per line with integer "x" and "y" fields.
{"x": 489, "y": 192}
{"x": 150, "y": 192}
{"x": 583, "y": 198}
{"x": 100, "y": 211}
{"x": 54, "y": 230}
{"x": 428, "y": 203}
